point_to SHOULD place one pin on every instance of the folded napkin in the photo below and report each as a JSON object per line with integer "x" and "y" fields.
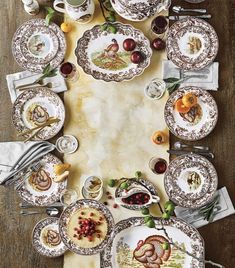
{"x": 224, "y": 209}
{"x": 26, "y": 77}
{"x": 211, "y": 72}
{"x": 15, "y": 156}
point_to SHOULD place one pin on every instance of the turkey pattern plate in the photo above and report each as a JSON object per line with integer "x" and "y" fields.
{"x": 192, "y": 43}
{"x": 35, "y": 44}
{"x": 137, "y": 246}
{"x": 46, "y": 238}
{"x": 198, "y": 122}
{"x": 36, "y": 106}
{"x": 39, "y": 188}
{"x": 191, "y": 181}
{"x": 102, "y": 55}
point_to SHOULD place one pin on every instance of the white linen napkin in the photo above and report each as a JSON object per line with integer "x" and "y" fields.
{"x": 17, "y": 155}
{"x": 26, "y": 77}
{"x": 191, "y": 216}
{"x": 210, "y": 82}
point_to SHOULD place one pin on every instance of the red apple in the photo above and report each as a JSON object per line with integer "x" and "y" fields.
{"x": 158, "y": 44}
{"x": 137, "y": 57}
{"x": 129, "y": 44}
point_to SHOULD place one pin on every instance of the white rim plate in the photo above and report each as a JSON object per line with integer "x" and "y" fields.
{"x": 39, "y": 235}
{"x": 31, "y": 194}
{"x": 91, "y": 56}
{"x": 26, "y": 109}
{"x": 179, "y": 36}
{"x": 34, "y": 64}
{"x": 65, "y": 218}
{"x": 177, "y": 188}
{"x": 127, "y": 233}
{"x": 185, "y": 129}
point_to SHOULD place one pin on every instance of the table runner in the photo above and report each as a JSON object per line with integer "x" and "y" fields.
{"x": 114, "y": 123}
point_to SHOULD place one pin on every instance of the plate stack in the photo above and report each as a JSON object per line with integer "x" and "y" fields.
{"x": 35, "y": 45}
{"x": 139, "y": 10}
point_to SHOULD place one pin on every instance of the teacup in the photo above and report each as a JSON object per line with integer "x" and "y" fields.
{"x": 81, "y": 11}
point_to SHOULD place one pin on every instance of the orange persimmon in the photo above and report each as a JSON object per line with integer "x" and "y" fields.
{"x": 158, "y": 137}
{"x": 189, "y": 100}
{"x": 180, "y": 107}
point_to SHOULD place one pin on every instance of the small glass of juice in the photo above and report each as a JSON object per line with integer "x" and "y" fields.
{"x": 158, "y": 165}
{"x": 159, "y": 26}
{"x": 69, "y": 71}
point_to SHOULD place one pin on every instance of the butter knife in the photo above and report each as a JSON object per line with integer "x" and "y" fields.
{"x": 206, "y": 16}
{"x": 181, "y": 152}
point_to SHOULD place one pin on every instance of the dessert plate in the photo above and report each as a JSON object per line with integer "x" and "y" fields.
{"x": 101, "y": 54}
{"x": 191, "y": 181}
{"x": 136, "y": 245}
{"x": 192, "y": 43}
{"x": 77, "y": 217}
{"x": 34, "y": 107}
{"x": 46, "y": 238}
{"x": 138, "y": 185}
{"x": 39, "y": 45}
{"x": 40, "y": 189}
{"x": 35, "y": 44}
{"x": 198, "y": 122}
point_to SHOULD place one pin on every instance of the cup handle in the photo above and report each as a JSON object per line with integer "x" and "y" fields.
{"x": 59, "y": 9}
{"x": 164, "y": 5}
{"x": 155, "y": 199}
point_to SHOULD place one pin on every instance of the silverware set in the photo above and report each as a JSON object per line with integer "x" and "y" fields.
{"x": 180, "y": 148}
{"x": 181, "y": 10}
{"x": 52, "y": 211}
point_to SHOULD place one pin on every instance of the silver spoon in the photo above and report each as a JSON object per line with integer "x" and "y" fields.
{"x": 178, "y": 9}
{"x": 178, "y": 145}
{"x": 49, "y": 211}
{"x": 27, "y": 205}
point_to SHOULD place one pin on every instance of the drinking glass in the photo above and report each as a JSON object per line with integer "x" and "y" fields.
{"x": 159, "y": 26}
{"x": 68, "y": 196}
{"x": 158, "y": 165}
{"x": 69, "y": 71}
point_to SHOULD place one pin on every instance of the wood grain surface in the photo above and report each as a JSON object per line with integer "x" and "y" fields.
{"x": 15, "y": 231}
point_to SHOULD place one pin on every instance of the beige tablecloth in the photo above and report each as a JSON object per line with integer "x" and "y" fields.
{"x": 114, "y": 123}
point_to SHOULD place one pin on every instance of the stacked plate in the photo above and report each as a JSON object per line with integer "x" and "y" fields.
{"x": 191, "y": 181}
{"x": 139, "y": 10}
{"x": 192, "y": 43}
{"x": 35, "y": 44}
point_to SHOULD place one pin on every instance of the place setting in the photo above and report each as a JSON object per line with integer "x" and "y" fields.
{"x": 95, "y": 109}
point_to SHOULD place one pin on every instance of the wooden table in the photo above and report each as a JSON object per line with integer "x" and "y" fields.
{"x": 15, "y": 231}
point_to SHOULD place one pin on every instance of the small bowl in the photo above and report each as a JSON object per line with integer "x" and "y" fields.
{"x": 88, "y": 183}
{"x": 155, "y": 89}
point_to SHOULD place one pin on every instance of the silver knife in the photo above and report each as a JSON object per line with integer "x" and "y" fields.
{"x": 206, "y": 16}
{"x": 180, "y": 152}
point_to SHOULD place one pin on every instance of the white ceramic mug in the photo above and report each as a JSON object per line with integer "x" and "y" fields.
{"x": 81, "y": 11}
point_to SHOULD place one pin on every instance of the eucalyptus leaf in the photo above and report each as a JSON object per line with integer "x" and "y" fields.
{"x": 172, "y": 87}
{"x": 171, "y": 80}
{"x": 46, "y": 69}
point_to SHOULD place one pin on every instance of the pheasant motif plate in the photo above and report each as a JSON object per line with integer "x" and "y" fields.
{"x": 198, "y": 122}
{"x": 34, "y": 107}
{"x": 46, "y": 238}
{"x": 35, "y": 44}
{"x": 39, "y": 188}
{"x": 192, "y": 43}
{"x": 136, "y": 245}
{"x": 190, "y": 181}
{"x": 102, "y": 55}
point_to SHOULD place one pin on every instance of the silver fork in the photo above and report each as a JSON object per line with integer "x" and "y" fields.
{"x": 34, "y": 168}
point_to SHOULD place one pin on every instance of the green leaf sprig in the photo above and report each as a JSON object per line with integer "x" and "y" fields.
{"x": 47, "y": 72}
{"x": 208, "y": 211}
{"x": 109, "y": 16}
{"x": 50, "y": 15}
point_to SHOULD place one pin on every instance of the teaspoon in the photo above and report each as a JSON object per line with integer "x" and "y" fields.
{"x": 179, "y": 145}
{"x": 49, "y": 211}
{"x": 178, "y": 9}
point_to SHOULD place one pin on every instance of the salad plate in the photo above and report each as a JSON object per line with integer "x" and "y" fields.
{"x": 102, "y": 54}
{"x": 35, "y": 44}
{"x": 198, "y": 121}
{"x": 192, "y": 43}
{"x": 39, "y": 188}
{"x": 46, "y": 239}
{"x": 191, "y": 181}
{"x": 143, "y": 194}
{"x": 34, "y": 107}
{"x": 136, "y": 245}
{"x": 39, "y": 45}
{"x": 86, "y": 227}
